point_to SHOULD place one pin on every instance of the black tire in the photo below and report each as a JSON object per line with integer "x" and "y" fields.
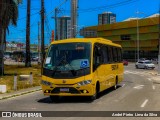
{"x": 94, "y": 97}
{"x": 54, "y": 98}
{"x": 145, "y": 67}
{"x": 136, "y": 66}
{"x": 116, "y": 82}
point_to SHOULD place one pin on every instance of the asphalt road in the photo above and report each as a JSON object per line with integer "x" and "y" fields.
{"x": 136, "y": 93}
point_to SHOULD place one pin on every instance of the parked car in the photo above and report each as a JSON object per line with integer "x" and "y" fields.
{"x": 142, "y": 59}
{"x": 125, "y": 62}
{"x": 154, "y": 60}
{"x": 34, "y": 58}
{"x": 145, "y": 64}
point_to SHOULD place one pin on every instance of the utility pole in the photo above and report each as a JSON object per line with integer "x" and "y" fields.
{"x": 137, "y": 39}
{"x": 74, "y": 6}
{"x": 1, "y": 42}
{"x": 28, "y": 57}
{"x": 42, "y": 33}
{"x": 55, "y": 17}
{"x": 39, "y": 54}
{"x": 159, "y": 43}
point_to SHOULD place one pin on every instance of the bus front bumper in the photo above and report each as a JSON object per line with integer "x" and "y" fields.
{"x": 87, "y": 90}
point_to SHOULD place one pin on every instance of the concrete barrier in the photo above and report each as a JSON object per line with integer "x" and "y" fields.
{"x": 3, "y": 88}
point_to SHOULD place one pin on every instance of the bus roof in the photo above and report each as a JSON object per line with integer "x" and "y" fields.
{"x": 92, "y": 40}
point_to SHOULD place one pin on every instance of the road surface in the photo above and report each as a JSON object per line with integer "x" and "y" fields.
{"x": 136, "y": 93}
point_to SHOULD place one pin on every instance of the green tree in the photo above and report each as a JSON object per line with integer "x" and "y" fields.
{"x": 8, "y": 14}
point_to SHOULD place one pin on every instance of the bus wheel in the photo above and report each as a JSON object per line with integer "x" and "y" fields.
{"x": 54, "y": 98}
{"x": 116, "y": 82}
{"x": 96, "y": 93}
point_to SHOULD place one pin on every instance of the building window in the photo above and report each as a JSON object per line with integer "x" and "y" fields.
{"x": 125, "y": 37}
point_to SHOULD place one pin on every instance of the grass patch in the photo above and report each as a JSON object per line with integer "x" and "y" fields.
{"x": 10, "y": 70}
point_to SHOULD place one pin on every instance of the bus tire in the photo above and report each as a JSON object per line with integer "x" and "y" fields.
{"x": 54, "y": 98}
{"x": 116, "y": 82}
{"x": 96, "y": 93}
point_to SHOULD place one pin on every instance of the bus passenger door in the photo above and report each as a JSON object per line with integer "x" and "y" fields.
{"x": 99, "y": 68}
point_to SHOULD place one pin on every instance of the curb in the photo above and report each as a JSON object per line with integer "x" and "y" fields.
{"x": 156, "y": 81}
{"x": 19, "y": 94}
{"x": 154, "y": 73}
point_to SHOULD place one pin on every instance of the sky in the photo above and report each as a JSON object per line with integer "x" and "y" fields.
{"x": 88, "y": 11}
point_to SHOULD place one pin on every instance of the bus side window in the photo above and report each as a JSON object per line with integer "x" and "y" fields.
{"x": 115, "y": 56}
{"x": 105, "y": 54}
{"x": 119, "y": 54}
{"x": 110, "y": 54}
{"x": 97, "y": 57}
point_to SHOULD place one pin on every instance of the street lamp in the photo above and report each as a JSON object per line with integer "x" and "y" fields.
{"x": 137, "y": 37}
{"x": 158, "y": 38}
{"x": 138, "y": 45}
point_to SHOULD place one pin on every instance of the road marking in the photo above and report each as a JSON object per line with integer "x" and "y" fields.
{"x": 123, "y": 85}
{"x": 153, "y": 87}
{"x": 138, "y": 87}
{"x": 144, "y": 103}
{"x": 138, "y": 73}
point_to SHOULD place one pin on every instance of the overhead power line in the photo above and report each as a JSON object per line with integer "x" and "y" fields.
{"x": 30, "y": 15}
{"x": 107, "y": 6}
{"x": 104, "y": 7}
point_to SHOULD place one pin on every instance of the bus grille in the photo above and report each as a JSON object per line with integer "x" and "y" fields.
{"x": 71, "y": 90}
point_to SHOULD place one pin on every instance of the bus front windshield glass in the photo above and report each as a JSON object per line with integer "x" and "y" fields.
{"x": 68, "y": 58}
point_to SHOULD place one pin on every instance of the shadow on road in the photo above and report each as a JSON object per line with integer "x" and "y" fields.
{"x": 66, "y": 99}
{"x": 107, "y": 91}
{"x": 76, "y": 99}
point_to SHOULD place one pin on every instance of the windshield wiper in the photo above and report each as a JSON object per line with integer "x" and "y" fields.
{"x": 56, "y": 66}
{"x": 64, "y": 62}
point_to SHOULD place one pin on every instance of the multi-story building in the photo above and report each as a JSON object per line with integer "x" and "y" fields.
{"x": 63, "y": 27}
{"x": 126, "y": 34}
{"x": 106, "y": 18}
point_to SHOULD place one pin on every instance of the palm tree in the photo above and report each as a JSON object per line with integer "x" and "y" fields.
{"x": 8, "y": 14}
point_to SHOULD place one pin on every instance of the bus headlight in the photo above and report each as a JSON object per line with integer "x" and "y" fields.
{"x": 46, "y": 83}
{"x": 85, "y": 82}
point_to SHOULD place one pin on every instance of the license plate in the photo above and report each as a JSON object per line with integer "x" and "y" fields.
{"x": 64, "y": 89}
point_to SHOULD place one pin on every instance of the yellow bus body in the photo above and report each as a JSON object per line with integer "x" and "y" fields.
{"x": 106, "y": 75}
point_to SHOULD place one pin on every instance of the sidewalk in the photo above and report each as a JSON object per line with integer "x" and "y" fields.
{"x": 155, "y": 76}
{"x": 156, "y": 79}
{"x": 19, "y": 92}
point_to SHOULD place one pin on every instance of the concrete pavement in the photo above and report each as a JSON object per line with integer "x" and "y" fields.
{"x": 154, "y": 77}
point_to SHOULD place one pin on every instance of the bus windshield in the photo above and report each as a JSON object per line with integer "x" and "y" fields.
{"x": 68, "y": 58}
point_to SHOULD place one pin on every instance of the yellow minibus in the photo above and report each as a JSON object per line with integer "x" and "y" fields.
{"x": 81, "y": 67}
